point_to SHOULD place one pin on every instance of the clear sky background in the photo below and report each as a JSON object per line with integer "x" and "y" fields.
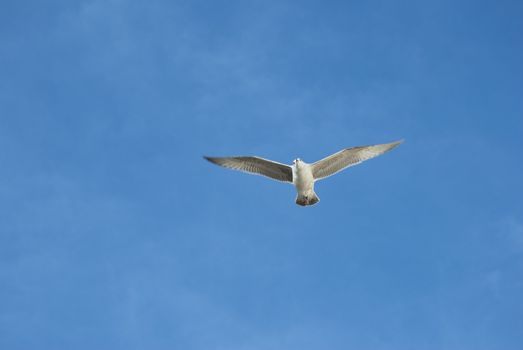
{"x": 116, "y": 234}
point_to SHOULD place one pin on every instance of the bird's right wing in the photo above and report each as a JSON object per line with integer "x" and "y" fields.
{"x": 349, "y": 157}
{"x": 255, "y": 165}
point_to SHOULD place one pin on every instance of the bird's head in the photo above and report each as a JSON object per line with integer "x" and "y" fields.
{"x": 297, "y": 160}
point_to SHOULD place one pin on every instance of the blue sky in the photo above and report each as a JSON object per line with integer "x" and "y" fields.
{"x": 116, "y": 234}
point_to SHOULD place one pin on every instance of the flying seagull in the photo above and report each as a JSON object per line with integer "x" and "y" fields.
{"x": 303, "y": 175}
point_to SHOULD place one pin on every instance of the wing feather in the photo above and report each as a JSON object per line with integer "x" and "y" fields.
{"x": 255, "y": 165}
{"x": 349, "y": 157}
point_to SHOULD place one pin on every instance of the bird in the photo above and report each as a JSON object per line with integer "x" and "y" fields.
{"x": 301, "y": 174}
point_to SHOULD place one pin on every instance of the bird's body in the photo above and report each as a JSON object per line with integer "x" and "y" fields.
{"x": 303, "y": 175}
{"x": 303, "y": 180}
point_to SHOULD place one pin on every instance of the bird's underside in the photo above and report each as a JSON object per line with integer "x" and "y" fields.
{"x": 303, "y": 175}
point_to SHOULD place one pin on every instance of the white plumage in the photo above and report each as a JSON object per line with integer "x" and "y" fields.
{"x": 303, "y": 175}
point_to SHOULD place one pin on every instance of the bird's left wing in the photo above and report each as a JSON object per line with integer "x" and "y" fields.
{"x": 349, "y": 157}
{"x": 255, "y": 165}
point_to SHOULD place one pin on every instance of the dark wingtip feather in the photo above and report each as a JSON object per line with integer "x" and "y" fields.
{"x": 210, "y": 160}
{"x": 397, "y": 143}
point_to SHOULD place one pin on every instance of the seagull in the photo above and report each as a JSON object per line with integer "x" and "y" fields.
{"x": 303, "y": 175}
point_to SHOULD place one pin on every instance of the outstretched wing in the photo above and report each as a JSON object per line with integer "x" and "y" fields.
{"x": 349, "y": 157}
{"x": 255, "y": 165}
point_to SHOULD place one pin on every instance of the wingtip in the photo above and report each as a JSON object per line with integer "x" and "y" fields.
{"x": 213, "y": 160}
{"x": 397, "y": 143}
{"x": 391, "y": 145}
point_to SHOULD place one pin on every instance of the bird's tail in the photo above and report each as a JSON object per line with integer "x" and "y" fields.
{"x": 308, "y": 199}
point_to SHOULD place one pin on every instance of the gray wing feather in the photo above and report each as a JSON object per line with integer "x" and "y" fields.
{"x": 349, "y": 157}
{"x": 255, "y": 165}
